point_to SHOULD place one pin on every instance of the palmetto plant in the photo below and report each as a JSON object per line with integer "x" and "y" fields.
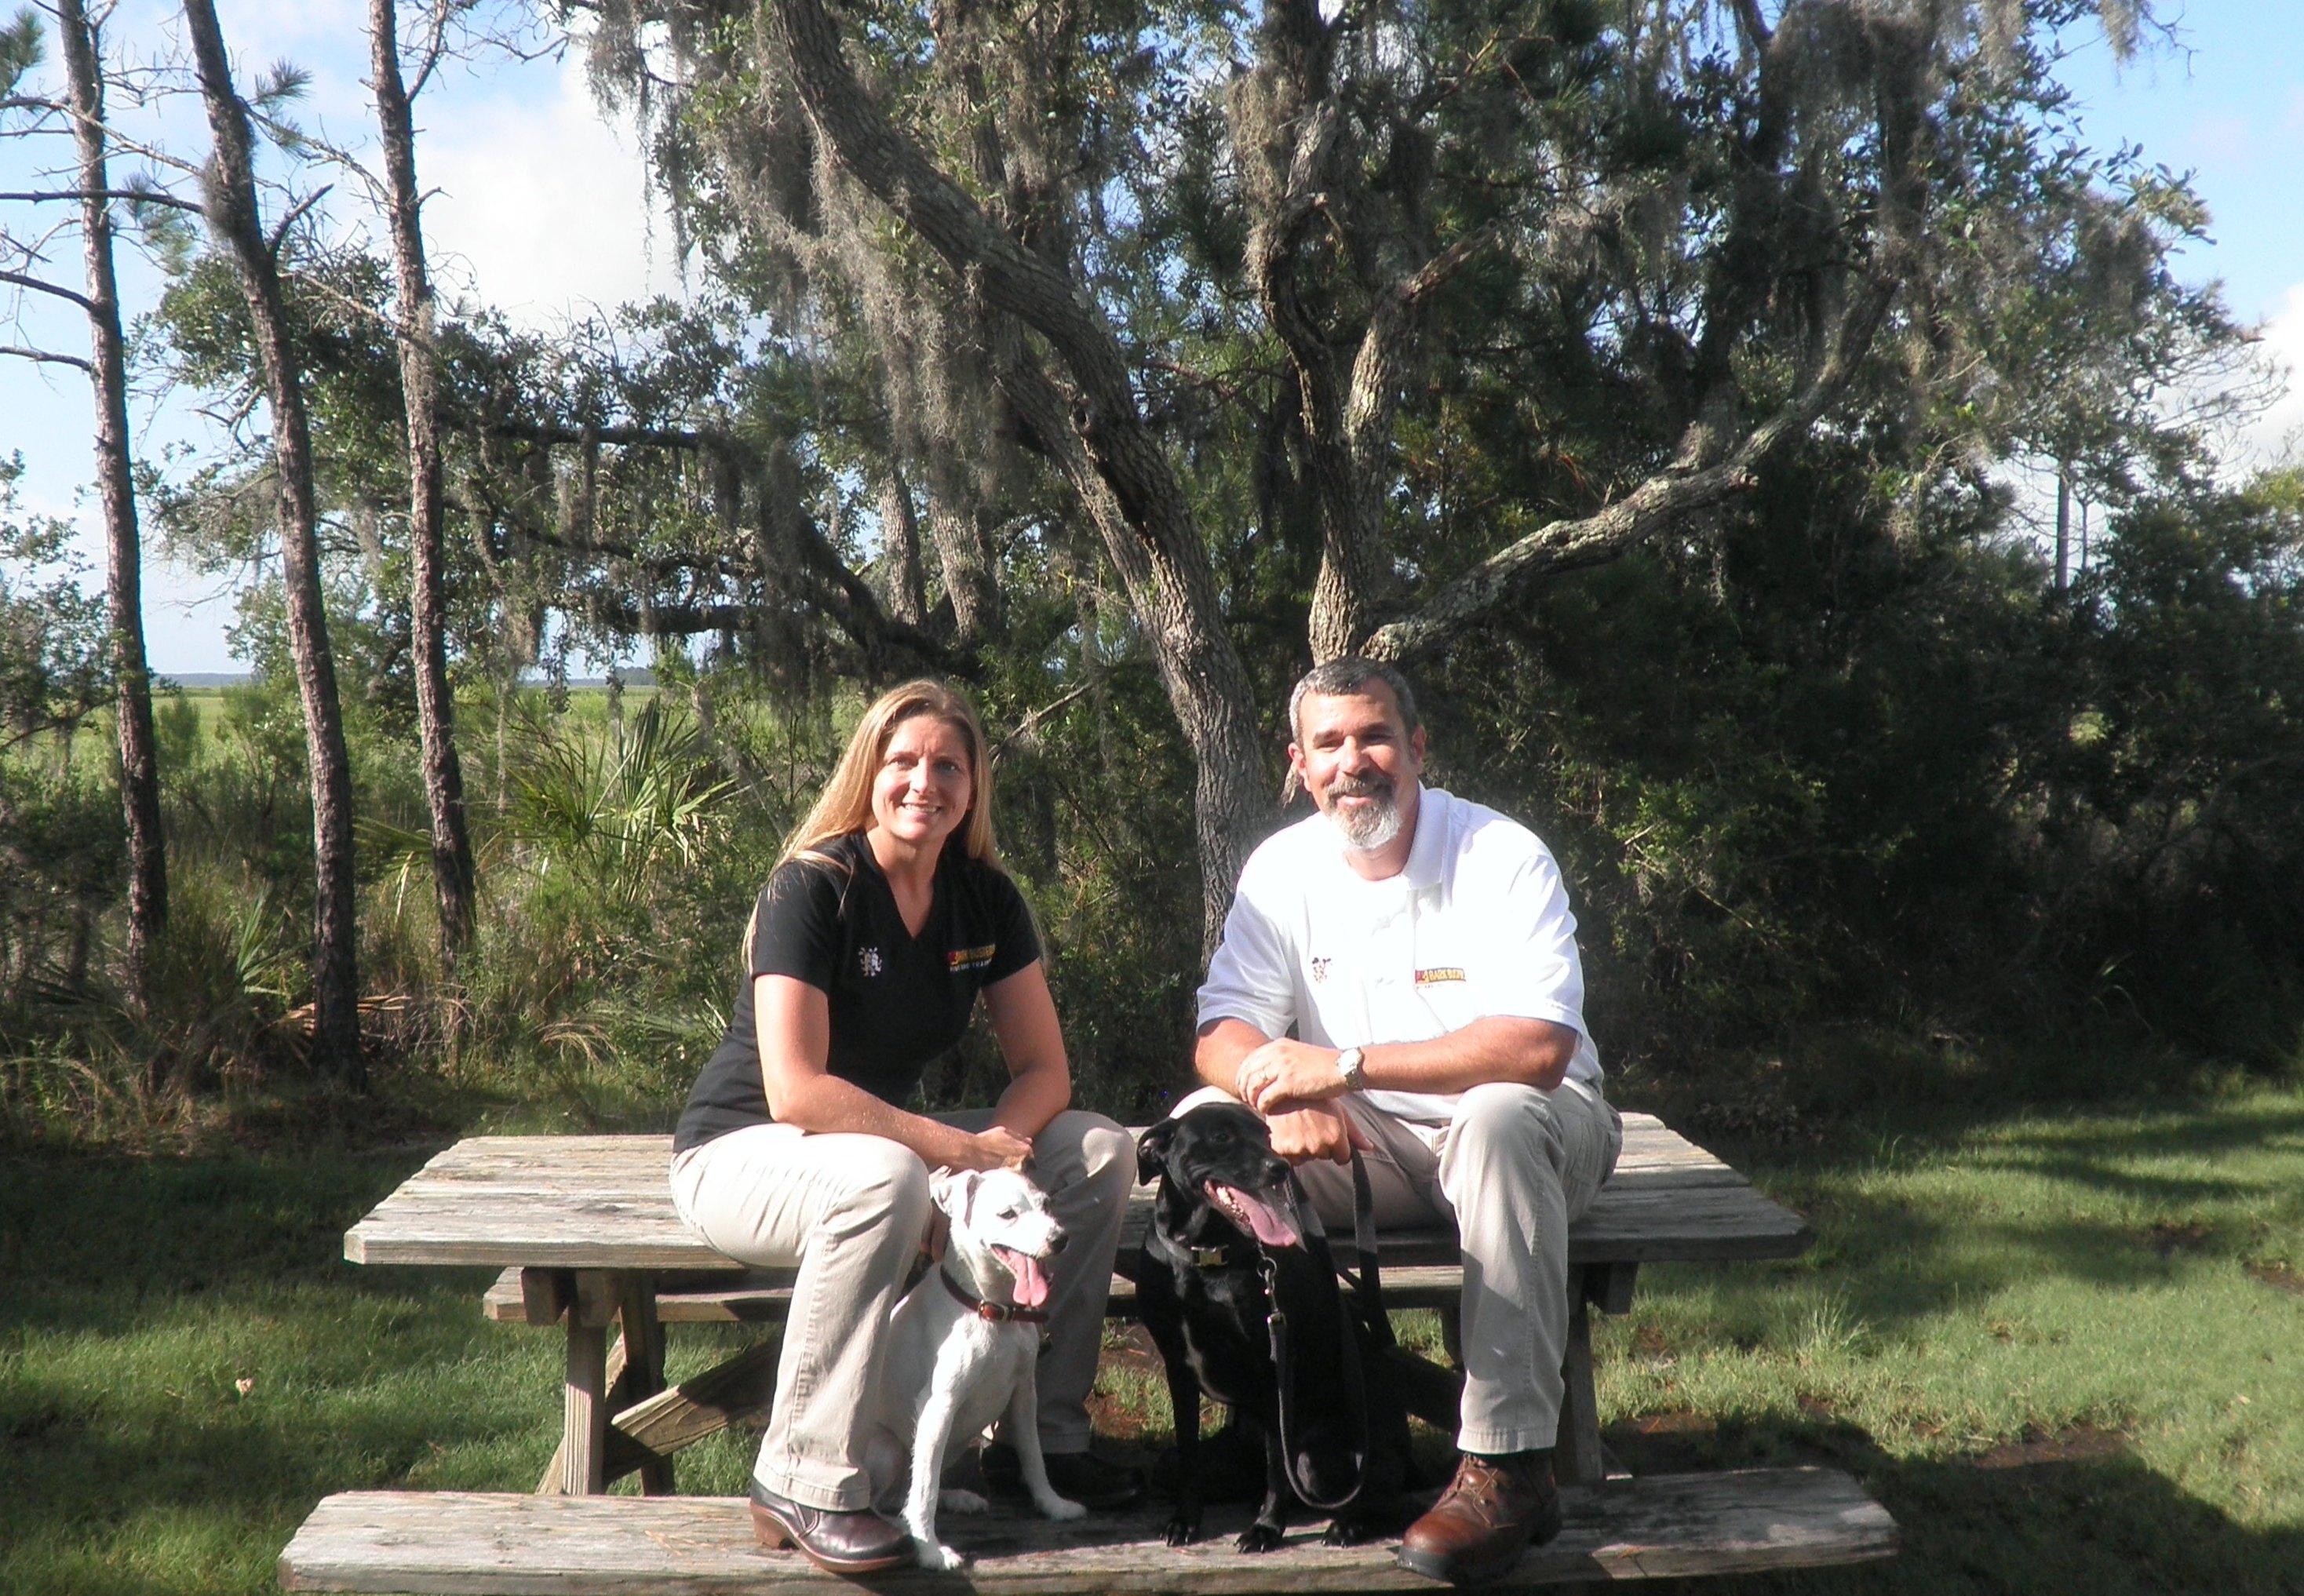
{"x": 613, "y": 814}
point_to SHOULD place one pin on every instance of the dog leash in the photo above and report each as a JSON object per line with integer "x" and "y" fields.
{"x": 1368, "y": 1301}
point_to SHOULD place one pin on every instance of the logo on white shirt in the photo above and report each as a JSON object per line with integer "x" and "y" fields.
{"x": 1319, "y": 970}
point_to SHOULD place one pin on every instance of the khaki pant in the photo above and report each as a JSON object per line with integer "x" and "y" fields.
{"x": 1509, "y": 1170}
{"x": 849, "y": 1212}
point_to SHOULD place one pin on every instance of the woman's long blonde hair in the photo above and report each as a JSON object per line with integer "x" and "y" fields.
{"x": 845, "y": 804}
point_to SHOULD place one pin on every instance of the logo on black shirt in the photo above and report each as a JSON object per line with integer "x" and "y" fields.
{"x": 868, "y": 959}
{"x": 972, "y": 959}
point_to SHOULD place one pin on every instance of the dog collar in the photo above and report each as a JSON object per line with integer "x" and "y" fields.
{"x": 997, "y": 1312}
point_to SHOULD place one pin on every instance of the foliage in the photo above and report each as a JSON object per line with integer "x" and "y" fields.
{"x": 53, "y": 667}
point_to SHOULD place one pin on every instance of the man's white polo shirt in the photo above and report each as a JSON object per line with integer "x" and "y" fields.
{"x": 1477, "y": 925}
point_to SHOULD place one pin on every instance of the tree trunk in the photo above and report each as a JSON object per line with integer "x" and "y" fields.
{"x": 1092, "y": 427}
{"x": 140, "y": 765}
{"x": 963, "y": 555}
{"x": 900, "y": 550}
{"x": 230, "y": 185}
{"x": 2063, "y": 526}
{"x": 419, "y": 381}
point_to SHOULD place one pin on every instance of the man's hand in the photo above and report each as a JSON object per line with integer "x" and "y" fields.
{"x": 1286, "y": 1074}
{"x": 1321, "y": 1131}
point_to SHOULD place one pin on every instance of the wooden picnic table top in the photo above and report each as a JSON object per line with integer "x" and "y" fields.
{"x": 603, "y": 1202}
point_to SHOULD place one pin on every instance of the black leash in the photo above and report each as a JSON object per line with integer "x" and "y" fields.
{"x": 1367, "y": 1302}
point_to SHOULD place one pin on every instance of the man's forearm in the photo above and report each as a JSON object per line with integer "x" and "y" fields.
{"x": 1222, "y": 1045}
{"x": 1533, "y": 1052}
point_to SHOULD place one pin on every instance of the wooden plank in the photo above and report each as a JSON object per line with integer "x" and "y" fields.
{"x": 425, "y": 1543}
{"x": 602, "y": 1202}
{"x": 704, "y": 1405}
{"x": 759, "y": 1297}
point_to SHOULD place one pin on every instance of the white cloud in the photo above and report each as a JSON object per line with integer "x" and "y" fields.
{"x": 2278, "y": 434}
{"x": 542, "y": 208}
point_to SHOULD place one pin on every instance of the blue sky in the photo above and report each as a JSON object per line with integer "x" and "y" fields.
{"x": 543, "y": 211}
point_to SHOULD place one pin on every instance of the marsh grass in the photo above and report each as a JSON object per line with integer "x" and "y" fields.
{"x": 2064, "y": 1353}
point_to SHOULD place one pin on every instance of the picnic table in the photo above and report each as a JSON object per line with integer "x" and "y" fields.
{"x": 584, "y": 1232}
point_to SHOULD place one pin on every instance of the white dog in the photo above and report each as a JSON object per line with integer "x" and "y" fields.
{"x": 964, "y": 1350}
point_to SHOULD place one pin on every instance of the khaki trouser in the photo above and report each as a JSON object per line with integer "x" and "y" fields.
{"x": 850, "y": 1210}
{"x": 1509, "y": 1170}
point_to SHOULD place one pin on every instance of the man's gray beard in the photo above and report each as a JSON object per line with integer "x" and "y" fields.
{"x": 1366, "y": 831}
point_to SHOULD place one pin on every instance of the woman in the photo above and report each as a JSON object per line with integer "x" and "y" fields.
{"x": 887, "y": 915}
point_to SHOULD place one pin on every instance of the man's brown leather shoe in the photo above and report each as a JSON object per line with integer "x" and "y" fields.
{"x": 1492, "y": 1511}
{"x": 853, "y": 1542}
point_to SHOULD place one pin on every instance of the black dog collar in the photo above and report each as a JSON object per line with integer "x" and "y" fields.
{"x": 997, "y": 1312}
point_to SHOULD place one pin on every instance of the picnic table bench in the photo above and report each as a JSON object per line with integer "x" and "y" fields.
{"x": 584, "y": 1232}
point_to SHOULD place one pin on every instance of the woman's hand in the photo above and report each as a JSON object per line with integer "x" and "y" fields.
{"x": 996, "y": 1148}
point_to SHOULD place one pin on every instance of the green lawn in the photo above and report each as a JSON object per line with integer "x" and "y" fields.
{"x": 2067, "y": 1353}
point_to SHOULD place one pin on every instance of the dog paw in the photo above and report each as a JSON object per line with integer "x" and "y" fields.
{"x": 1059, "y": 1507}
{"x": 1260, "y": 1537}
{"x": 1184, "y": 1531}
{"x": 938, "y": 1560}
{"x": 953, "y": 1500}
{"x": 1347, "y": 1532}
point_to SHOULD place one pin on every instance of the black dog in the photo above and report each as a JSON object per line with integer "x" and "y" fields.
{"x": 1227, "y": 1246}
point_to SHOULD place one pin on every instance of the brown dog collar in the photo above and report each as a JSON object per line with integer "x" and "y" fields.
{"x": 997, "y": 1312}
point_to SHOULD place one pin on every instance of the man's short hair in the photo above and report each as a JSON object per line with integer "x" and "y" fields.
{"x": 1345, "y": 675}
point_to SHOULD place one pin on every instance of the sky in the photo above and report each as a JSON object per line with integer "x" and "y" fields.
{"x": 542, "y": 208}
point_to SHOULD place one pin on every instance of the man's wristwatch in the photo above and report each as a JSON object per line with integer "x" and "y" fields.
{"x": 1352, "y": 1065}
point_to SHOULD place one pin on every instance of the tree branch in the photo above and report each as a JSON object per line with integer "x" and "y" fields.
{"x": 23, "y": 279}
{"x": 143, "y": 196}
{"x": 46, "y": 358}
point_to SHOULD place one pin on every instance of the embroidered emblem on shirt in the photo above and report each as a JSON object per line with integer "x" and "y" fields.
{"x": 1319, "y": 970}
{"x": 1445, "y": 972}
{"x": 972, "y": 959}
{"x": 868, "y": 959}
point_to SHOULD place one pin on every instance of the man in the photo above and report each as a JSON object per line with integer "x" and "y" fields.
{"x": 1420, "y": 949}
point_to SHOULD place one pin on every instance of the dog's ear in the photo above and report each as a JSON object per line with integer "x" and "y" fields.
{"x": 951, "y": 1189}
{"x": 1152, "y": 1151}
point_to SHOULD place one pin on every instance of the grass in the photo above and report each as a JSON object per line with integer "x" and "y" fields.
{"x": 2066, "y": 1352}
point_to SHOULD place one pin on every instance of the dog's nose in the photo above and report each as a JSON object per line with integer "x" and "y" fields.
{"x": 1058, "y": 1240}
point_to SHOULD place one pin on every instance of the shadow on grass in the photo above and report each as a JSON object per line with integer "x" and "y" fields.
{"x": 2133, "y": 1215}
{"x": 2072, "y": 1512}
{"x": 88, "y": 1242}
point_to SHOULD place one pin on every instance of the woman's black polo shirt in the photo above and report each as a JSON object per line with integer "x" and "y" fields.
{"x": 897, "y": 1001}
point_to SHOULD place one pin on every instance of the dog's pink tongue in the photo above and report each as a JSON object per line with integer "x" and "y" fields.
{"x": 1031, "y": 1280}
{"x": 1272, "y": 1228}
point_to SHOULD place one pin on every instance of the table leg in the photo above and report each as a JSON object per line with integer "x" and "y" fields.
{"x": 584, "y": 1408}
{"x": 1577, "y": 1459}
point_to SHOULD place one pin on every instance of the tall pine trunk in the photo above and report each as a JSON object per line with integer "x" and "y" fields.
{"x": 140, "y": 764}
{"x": 419, "y": 381}
{"x": 230, "y": 185}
